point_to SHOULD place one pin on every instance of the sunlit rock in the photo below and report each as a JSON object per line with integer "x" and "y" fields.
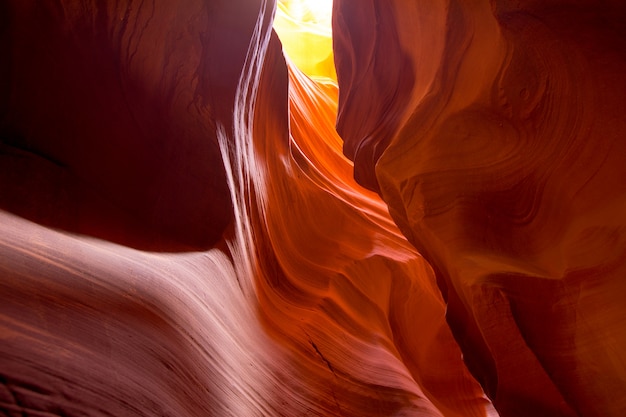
{"x": 305, "y": 302}
{"x": 181, "y": 233}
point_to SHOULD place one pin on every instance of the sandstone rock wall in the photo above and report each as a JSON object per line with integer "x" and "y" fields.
{"x": 182, "y": 235}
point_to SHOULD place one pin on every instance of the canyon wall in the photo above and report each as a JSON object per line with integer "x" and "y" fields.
{"x": 182, "y": 235}
{"x": 493, "y": 130}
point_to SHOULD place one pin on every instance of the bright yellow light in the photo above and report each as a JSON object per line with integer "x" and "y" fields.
{"x": 304, "y": 28}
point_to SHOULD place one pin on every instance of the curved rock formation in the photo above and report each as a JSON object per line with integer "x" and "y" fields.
{"x": 181, "y": 235}
{"x": 500, "y": 152}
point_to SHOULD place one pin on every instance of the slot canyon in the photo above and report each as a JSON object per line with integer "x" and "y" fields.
{"x": 427, "y": 220}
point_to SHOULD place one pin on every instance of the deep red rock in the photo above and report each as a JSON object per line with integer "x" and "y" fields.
{"x": 109, "y": 114}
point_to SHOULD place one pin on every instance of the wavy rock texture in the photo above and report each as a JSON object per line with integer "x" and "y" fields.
{"x": 493, "y": 130}
{"x": 129, "y": 289}
{"x": 181, "y": 234}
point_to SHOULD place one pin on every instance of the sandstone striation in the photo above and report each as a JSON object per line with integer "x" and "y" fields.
{"x": 493, "y": 132}
{"x": 184, "y": 228}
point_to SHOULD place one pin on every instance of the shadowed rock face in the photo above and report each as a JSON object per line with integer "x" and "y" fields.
{"x": 109, "y": 112}
{"x": 181, "y": 235}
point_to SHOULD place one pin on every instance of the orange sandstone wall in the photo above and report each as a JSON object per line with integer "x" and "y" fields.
{"x": 494, "y": 132}
{"x": 180, "y": 234}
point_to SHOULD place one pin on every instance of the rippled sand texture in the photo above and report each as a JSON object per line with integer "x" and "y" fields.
{"x": 494, "y": 132}
{"x": 181, "y": 235}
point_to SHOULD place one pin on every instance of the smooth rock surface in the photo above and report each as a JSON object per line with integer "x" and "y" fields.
{"x": 182, "y": 235}
{"x": 494, "y": 132}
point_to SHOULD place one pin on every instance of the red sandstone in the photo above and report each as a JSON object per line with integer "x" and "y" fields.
{"x": 182, "y": 235}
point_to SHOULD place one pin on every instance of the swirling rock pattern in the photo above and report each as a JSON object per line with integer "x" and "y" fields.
{"x": 133, "y": 293}
{"x": 498, "y": 147}
{"x": 182, "y": 236}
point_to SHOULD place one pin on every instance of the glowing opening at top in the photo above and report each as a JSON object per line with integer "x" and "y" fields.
{"x": 304, "y": 28}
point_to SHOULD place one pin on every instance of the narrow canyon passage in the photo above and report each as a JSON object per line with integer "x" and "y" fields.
{"x": 424, "y": 215}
